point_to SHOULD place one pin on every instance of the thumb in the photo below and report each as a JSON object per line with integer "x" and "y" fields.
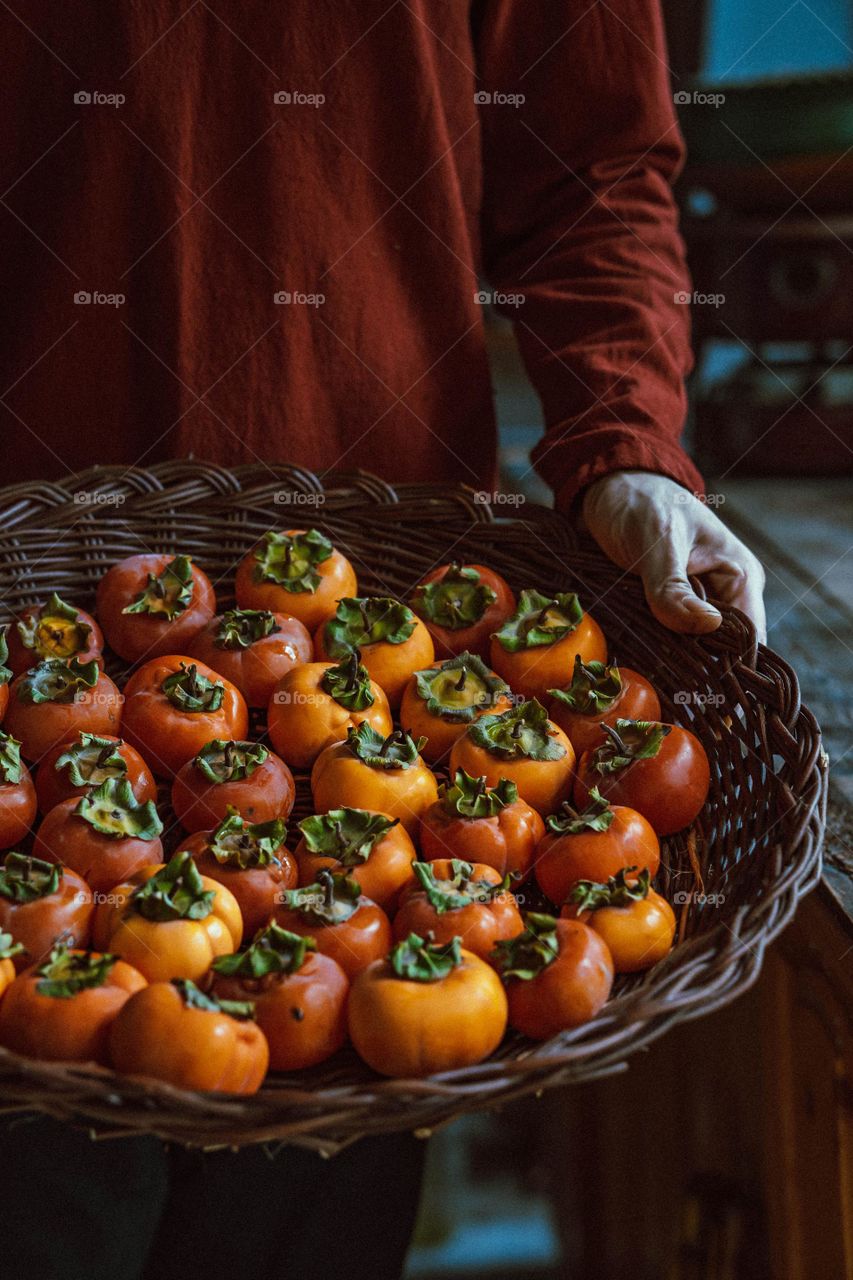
{"x": 671, "y": 598}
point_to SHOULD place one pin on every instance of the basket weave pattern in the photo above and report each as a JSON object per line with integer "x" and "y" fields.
{"x": 735, "y": 883}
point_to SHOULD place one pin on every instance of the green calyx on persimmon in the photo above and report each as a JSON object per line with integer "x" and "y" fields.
{"x": 627, "y": 741}
{"x": 618, "y": 891}
{"x": 168, "y": 592}
{"x": 8, "y": 947}
{"x": 289, "y": 559}
{"x": 56, "y": 681}
{"x": 526, "y": 955}
{"x": 363, "y": 620}
{"x": 189, "y": 691}
{"x": 11, "y": 769}
{"x": 66, "y": 973}
{"x": 347, "y": 835}
{"x": 398, "y": 751}
{"x": 520, "y": 733}
{"x": 5, "y": 672}
{"x": 236, "y": 843}
{"x": 273, "y": 950}
{"x": 113, "y": 810}
{"x": 228, "y": 760}
{"x": 470, "y": 797}
{"x": 456, "y": 600}
{"x": 194, "y": 998}
{"x": 567, "y": 821}
{"x": 461, "y": 890}
{"x": 418, "y": 959}
{"x": 349, "y": 683}
{"x": 54, "y": 630}
{"x": 240, "y": 628}
{"x": 459, "y": 688}
{"x": 332, "y": 899}
{"x": 540, "y": 620}
{"x": 175, "y": 892}
{"x": 594, "y": 688}
{"x": 24, "y": 878}
{"x": 92, "y": 760}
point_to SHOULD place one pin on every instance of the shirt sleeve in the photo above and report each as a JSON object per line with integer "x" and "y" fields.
{"x": 580, "y": 240}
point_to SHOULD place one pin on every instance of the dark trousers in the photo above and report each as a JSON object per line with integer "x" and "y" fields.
{"x": 133, "y": 1209}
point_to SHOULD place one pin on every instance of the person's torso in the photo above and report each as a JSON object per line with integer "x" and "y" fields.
{"x": 244, "y": 231}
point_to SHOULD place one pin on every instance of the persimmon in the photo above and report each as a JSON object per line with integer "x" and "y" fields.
{"x": 345, "y": 924}
{"x": 391, "y": 639}
{"x": 253, "y": 648}
{"x": 298, "y": 572}
{"x": 522, "y": 746}
{"x": 462, "y": 604}
{"x": 300, "y": 996}
{"x": 536, "y": 648}
{"x": 105, "y": 836}
{"x": 169, "y": 920}
{"x": 661, "y": 770}
{"x": 317, "y": 703}
{"x": 594, "y": 844}
{"x": 175, "y": 1032}
{"x": 477, "y": 823}
{"x": 54, "y": 629}
{"x": 373, "y": 848}
{"x": 454, "y": 899}
{"x": 369, "y": 772}
{"x": 173, "y": 706}
{"x": 17, "y": 794}
{"x": 53, "y": 701}
{"x": 440, "y": 702}
{"x": 249, "y": 859}
{"x": 426, "y": 1008}
{"x": 62, "y": 1009}
{"x": 597, "y": 695}
{"x": 637, "y": 923}
{"x": 558, "y": 975}
{"x": 152, "y": 605}
{"x": 9, "y": 952}
{"x": 72, "y": 768}
{"x": 41, "y": 904}
{"x": 225, "y": 775}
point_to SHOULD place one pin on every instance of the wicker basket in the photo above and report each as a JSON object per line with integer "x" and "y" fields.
{"x": 754, "y": 852}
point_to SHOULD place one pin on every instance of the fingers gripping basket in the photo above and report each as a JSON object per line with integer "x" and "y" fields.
{"x": 735, "y": 881}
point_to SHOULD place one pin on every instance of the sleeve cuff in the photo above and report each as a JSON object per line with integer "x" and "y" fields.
{"x": 660, "y": 455}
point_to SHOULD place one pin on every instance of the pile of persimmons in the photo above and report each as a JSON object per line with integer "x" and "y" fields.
{"x": 394, "y": 917}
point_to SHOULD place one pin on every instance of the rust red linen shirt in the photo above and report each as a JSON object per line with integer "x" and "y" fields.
{"x": 190, "y": 166}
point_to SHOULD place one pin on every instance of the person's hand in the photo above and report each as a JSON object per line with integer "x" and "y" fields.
{"x": 652, "y": 526}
